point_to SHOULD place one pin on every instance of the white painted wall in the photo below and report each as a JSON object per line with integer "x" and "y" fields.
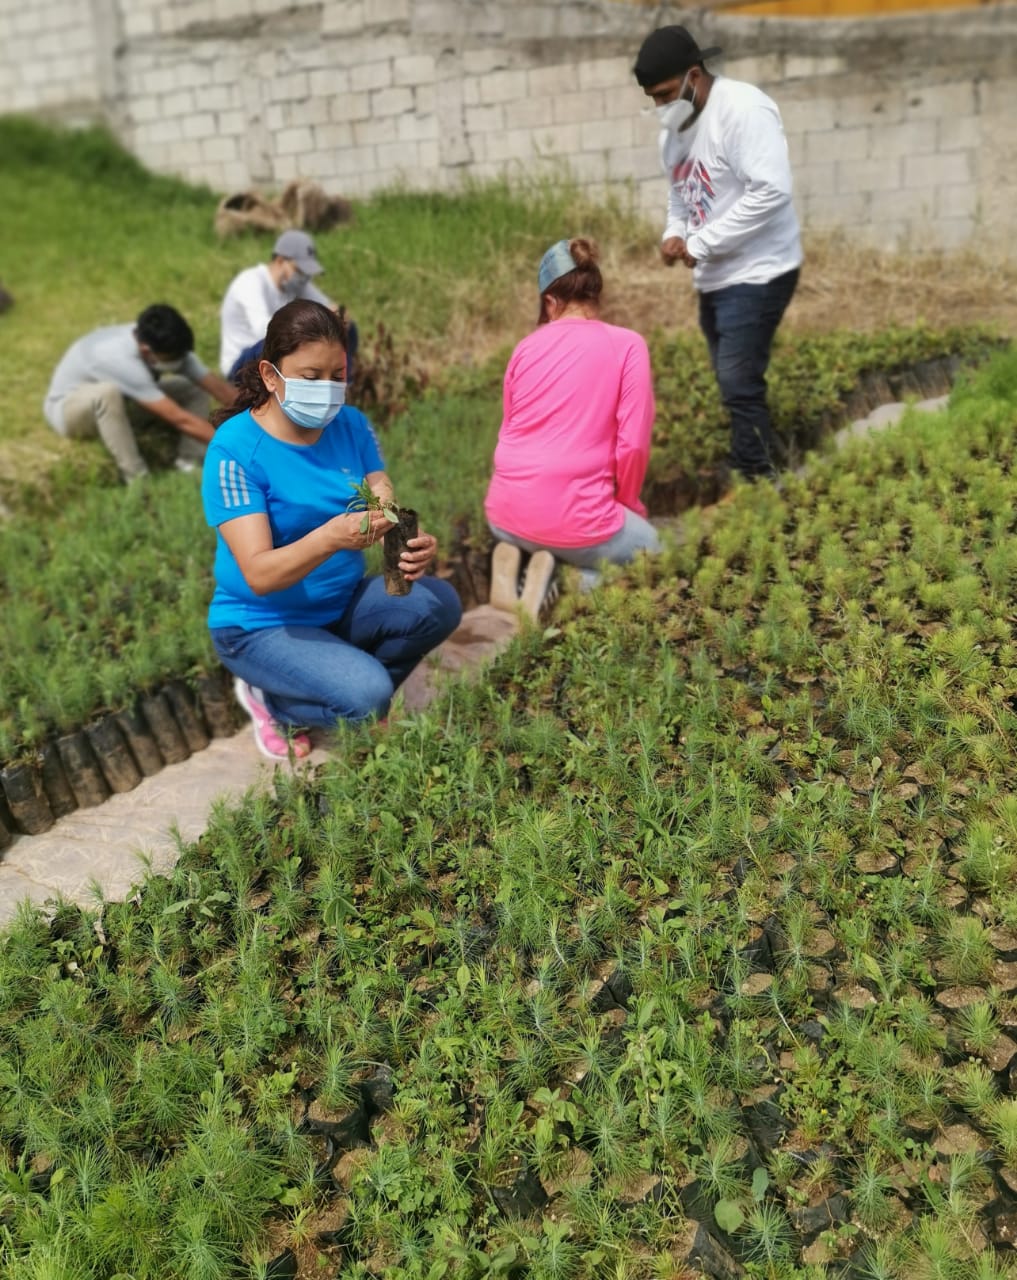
{"x": 900, "y": 128}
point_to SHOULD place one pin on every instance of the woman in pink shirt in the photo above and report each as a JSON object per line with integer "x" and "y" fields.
{"x": 574, "y": 439}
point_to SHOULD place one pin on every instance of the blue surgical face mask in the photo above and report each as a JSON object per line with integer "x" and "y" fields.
{"x": 311, "y": 403}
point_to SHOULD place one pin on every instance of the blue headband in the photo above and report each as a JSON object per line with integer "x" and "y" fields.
{"x": 556, "y": 263}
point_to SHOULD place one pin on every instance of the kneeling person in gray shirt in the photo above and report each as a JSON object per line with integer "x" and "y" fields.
{"x": 116, "y": 378}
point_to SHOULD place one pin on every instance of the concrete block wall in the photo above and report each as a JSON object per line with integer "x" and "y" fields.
{"x": 48, "y": 59}
{"x": 899, "y": 128}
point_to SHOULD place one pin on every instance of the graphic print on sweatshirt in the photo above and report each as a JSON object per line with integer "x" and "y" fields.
{"x": 695, "y": 190}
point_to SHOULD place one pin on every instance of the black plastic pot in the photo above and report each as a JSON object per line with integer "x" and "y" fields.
{"x": 8, "y": 829}
{"x": 82, "y": 769}
{"x": 187, "y": 714}
{"x": 378, "y": 1092}
{"x": 165, "y": 730}
{"x": 342, "y": 1135}
{"x": 26, "y": 799}
{"x": 141, "y": 740}
{"x": 118, "y": 765}
{"x": 701, "y": 1251}
{"x": 215, "y": 694}
{"x": 756, "y": 952}
{"x": 59, "y": 791}
{"x": 766, "y": 1124}
{"x": 282, "y": 1267}
{"x": 821, "y": 1217}
{"x": 520, "y": 1197}
{"x": 396, "y": 541}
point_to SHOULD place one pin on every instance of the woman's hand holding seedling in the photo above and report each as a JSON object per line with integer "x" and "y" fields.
{"x": 359, "y": 529}
{"x": 376, "y": 512}
{"x": 379, "y": 512}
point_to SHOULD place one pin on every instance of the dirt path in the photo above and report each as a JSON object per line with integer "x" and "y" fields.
{"x": 839, "y": 289}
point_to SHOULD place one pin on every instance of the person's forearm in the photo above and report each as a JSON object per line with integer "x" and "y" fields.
{"x": 219, "y": 389}
{"x": 740, "y": 224}
{"x": 191, "y": 425}
{"x": 277, "y": 568}
{"x": 677, "y": 220}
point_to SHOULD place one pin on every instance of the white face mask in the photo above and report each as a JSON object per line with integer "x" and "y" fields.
{"x": 311, "y": 403}
{"x": 295, "y": 284}
{"x": 672, "y": 115}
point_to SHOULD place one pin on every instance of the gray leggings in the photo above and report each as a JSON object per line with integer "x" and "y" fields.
{"x": 636, "y": 534}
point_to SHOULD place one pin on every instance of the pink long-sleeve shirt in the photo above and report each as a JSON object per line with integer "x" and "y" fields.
{"x": 575, "y": 435}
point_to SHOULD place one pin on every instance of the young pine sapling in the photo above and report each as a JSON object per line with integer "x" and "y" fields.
{"x": 404, "y": 527}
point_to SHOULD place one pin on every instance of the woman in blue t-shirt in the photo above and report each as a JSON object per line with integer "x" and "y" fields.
{"x": 310, "y": 640}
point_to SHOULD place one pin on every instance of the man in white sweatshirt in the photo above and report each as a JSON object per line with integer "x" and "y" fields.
{"x": 257, "y": 293}
{"x": 730, "y": 219}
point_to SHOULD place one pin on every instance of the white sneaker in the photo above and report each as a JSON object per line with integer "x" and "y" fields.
{"x": 539, "y": 573}
{"x": 505, "y": 560}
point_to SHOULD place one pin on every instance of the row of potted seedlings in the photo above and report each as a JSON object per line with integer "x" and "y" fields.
{"x": 114, "y": 753}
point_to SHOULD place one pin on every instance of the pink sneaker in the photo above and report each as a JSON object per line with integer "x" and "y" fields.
{"x": 271, "y": 741}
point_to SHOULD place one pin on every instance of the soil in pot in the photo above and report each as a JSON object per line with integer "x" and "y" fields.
{"x": 118, "y": 766}
{"x": 26, "y": 799}
{"x": 82, "y": 769}
{"x": 59, "y": 791}
{"x": 172, "y": 746}
{"x": 396, "y": 542}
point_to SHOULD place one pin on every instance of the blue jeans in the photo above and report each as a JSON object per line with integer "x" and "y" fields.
{"x": 636, "y": 534}
{"x": 253, "y": 352}
{"x": 739, "y": 323}
{"x": 349, "y": 670}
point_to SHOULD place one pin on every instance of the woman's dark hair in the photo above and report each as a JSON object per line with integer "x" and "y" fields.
{"x": 164, "y": 331}
{"x": 297, "y": 323}
{"x": 583, "y": 283}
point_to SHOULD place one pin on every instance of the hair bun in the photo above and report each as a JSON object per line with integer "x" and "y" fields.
{"x": 584, "y": 252}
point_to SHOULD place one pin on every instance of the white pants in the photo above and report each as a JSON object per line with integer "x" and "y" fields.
{"x": 101, "y": 409}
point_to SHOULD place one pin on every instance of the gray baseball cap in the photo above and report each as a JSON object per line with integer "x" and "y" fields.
{"x": 298, "y": 246}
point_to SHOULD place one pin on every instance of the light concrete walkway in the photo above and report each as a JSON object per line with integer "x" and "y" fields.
{"x": 103, "y": 850}
{"x": 887, "y": 415}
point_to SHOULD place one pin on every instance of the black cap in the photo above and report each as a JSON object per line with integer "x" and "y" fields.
{"x": 668, "y": 52}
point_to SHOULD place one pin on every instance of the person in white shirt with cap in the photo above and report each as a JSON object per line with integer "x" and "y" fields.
{"x": 257, "y": 293}
{"x": 730, "y": 218}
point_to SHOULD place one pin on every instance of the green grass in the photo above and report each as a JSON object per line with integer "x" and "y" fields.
{"x": 671, "y": 917}
{"x": 99, "y": 238}
{"x": 601, "y": 943}
{"x": 92, "y": 613}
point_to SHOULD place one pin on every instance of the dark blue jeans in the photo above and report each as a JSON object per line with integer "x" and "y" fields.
{"x": 253, "y": 352}
{"x": 739, "y": 323}
{"x": 314, "y": 676}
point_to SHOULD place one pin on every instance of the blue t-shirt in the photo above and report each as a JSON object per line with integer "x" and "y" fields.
{"x": 298, "y": 487}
